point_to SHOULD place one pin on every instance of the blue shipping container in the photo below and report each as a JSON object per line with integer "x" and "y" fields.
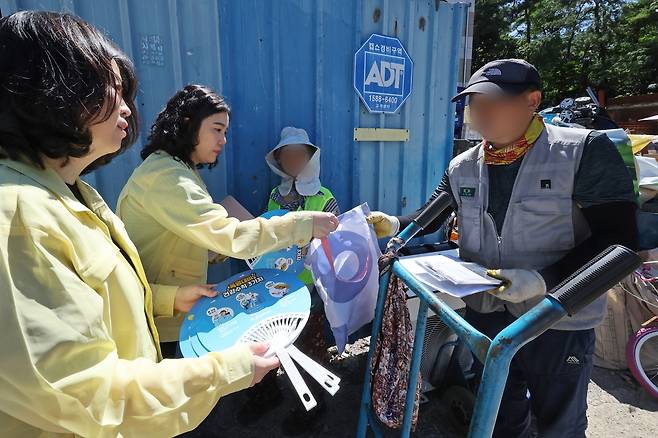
{"x": 289, "y": 62}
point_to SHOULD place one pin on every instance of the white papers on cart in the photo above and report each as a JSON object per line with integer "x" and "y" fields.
{"x": 447, "y": 273}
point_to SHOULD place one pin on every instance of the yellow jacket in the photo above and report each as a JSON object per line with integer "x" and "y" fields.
{"x": 79, "y": 346}
{"x": 173, "y": 221}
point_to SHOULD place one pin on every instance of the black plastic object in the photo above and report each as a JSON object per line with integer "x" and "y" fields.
{"x": 440, "y": 204}
{"x": 595, "y": 278}
{"x": 427, "y": 248}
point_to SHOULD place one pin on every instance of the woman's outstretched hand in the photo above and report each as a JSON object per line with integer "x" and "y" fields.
{"x": 187, "y": 296}
{"x": 323, "y": 224}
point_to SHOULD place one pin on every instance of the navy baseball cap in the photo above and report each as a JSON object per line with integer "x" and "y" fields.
{"x": 502, "y": 77}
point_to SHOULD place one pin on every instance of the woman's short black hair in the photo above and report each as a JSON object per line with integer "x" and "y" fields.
{"x": 56, "y": 79}
{"x": 176, "y": 129}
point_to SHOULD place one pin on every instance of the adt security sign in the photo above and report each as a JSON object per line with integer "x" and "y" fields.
{"x": 383, "y": 74}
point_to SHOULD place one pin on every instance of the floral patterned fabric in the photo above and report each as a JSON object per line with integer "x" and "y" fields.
{"x": 392, "y": 356}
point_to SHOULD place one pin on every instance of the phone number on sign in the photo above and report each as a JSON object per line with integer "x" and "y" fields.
{"x": 382, "y": 99}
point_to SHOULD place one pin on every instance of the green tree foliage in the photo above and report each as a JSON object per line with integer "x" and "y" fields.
{"x": 606, "y": 44}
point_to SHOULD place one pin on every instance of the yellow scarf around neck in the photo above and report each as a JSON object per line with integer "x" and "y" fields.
{"x": 514, "y": 151}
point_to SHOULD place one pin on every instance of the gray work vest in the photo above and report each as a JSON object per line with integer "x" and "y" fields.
{"x": 542, "y": 223}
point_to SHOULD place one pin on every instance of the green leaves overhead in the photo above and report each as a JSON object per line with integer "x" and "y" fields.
{"x": 606, "y": 44}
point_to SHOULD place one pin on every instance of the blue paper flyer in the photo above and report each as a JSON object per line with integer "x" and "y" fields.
{"x": 290, "y": 259}
{"x": 243, "y": 301}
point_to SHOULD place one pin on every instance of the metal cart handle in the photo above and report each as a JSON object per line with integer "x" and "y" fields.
{"x": 569, "y": 297}
{"x": 595, "y": 278}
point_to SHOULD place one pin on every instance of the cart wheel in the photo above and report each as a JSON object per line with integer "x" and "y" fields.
{"x": 460, "y": 402}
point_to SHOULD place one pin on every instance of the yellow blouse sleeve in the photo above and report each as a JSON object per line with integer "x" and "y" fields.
{"x": 182, "y": 205}
{"x": 61, "y": 372}
{"x": 164, "y": 297}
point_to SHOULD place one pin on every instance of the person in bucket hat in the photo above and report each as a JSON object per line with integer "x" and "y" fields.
{"x": 297, "y": 161}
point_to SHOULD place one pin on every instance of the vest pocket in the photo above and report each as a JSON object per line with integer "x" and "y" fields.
{"x": 470, "y": 227}
{"x": 543, "y": 224}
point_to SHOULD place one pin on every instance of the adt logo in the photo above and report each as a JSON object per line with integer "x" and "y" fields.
{"x": 383, "y": 74}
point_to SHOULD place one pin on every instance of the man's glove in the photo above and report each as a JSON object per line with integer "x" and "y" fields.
{"x": 518, "y": 284}
{"x": 385, "y": 225}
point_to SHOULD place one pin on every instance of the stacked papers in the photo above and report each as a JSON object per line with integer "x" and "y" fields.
{"x": 447, "y": 273}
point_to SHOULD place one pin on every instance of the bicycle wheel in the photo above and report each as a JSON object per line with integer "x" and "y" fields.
{"x": 641, "y": 352}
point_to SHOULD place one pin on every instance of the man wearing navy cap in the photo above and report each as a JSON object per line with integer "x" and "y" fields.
{"x": 534, "y": 203}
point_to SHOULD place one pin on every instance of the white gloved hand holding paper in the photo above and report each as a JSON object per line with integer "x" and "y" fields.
{"x": 518, "y": 284}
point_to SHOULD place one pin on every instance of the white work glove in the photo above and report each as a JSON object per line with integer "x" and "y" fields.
{"x": 385, "y": 225}
{"x": 518, "y": 284}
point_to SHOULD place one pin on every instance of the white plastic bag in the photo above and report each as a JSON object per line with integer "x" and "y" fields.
{"x": 348, "y": 286}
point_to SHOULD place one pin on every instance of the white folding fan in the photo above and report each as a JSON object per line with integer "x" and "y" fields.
{"x": 263, "y": 305}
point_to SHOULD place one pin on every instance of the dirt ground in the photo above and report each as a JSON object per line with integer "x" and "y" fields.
{"x": 618, "y": 407}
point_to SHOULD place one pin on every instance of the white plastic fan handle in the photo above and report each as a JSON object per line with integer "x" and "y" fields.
{"x": 328, "y": 380}
{"x": 293, "y": 374}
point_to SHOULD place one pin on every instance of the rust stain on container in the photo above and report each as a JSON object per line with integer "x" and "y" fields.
{"x": 376, "y": 14}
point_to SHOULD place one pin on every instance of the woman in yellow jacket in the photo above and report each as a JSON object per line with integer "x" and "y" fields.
{"x": 172, "y": 218}
{"x": 80, "y": 354}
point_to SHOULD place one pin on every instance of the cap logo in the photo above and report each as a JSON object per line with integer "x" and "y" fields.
{"x": 493, "y": 72}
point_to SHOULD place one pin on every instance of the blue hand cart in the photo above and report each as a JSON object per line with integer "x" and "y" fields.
{"x": 568, "y": 298}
